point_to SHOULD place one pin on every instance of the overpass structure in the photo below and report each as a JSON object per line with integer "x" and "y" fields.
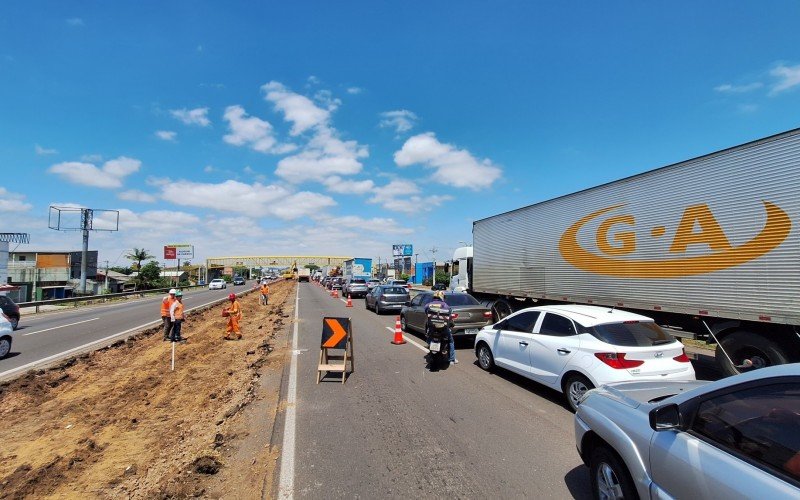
{"x": 279, "y": 261}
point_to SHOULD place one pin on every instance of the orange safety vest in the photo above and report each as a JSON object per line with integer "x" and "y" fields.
{"x": 236, "y": 310}
{"x": 166, "y": 303}
{"x": 264, "y": 289}
{"x": 178, "y": 310}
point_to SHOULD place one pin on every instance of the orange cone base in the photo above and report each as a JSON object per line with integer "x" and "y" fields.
{"x": 349, "y": 301}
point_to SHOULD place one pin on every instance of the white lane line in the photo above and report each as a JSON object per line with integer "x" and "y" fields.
{"x": 419, "y": 346}
{"x": 62, "y": 326}
{"x": 286, "y": 489}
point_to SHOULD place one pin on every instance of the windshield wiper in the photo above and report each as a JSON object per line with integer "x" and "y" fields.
{"x": 662, "y": 342}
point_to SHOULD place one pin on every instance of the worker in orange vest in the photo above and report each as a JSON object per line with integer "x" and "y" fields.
{"x": 234, "y": 316}
{"x": 264, "y": 293}
{"x": 166, "y": 303}
{"x": 176, "y": 315}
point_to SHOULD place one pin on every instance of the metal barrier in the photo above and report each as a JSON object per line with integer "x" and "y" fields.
{"x": 98, "y": 298}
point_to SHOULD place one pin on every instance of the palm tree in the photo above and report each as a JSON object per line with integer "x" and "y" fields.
{"x": 138, "y": 255}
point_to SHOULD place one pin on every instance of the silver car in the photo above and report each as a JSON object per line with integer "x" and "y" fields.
{"x": 469, "y": 316}
{"x": 738, "y": 437}
{"x": 386, "y": 298}
{"x": 356, "y": 287}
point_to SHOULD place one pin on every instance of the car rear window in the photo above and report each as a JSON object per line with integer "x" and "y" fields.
{"x": 461, "y": 299}
{"x": 358, "y": 281}
{"x": 631, "y": 334}
{"x": 398, "y": 282}
{"x": 394, "y": 290}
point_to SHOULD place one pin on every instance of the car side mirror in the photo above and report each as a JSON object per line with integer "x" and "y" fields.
{"x": 407, "y": 303}
{"x": 667, "y": 417}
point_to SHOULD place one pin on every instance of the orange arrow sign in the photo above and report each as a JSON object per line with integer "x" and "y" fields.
{"x": 338, "y": 333}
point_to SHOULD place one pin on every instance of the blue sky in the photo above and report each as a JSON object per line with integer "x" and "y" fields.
{"x": 340, "y": 128}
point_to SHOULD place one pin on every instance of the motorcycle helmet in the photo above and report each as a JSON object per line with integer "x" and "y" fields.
{"x": 232, "y": 296}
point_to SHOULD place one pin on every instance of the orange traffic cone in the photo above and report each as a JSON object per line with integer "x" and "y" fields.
{"x": 349, "y": 301}
{"x": 336, "y": 294}
{"x": 332, "y": 292}
{"x": 398, "y": 333}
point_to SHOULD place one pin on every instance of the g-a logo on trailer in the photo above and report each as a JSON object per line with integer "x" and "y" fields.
{"x": 697, "y": 226}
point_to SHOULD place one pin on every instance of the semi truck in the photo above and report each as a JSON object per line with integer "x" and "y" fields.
{"x": 708, "y": 247}
{"x": 358, "y": 267}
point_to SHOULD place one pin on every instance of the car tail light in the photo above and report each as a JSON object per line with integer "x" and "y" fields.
{"x": 454, "y": 316}
{"x": 617, "y": 360}
{"x": 487, "y": 315}
{"x": 682, "y": 358}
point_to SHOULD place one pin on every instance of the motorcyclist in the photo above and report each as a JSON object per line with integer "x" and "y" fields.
{"x": 439, "y": 312}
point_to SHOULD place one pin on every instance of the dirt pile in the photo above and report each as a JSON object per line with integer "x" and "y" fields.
{"x": 119, "y": 423}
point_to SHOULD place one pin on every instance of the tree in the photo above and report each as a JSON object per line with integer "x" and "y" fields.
{"x": 120, "y": 269}
{"x": 313, "y": 267}
{"x": 150, "y": 276}
{"x": 138, "y": 255}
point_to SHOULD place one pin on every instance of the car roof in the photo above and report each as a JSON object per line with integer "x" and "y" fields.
{"x": 591, "y": 315}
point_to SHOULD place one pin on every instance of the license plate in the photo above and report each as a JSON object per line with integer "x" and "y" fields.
{"x": 435, "y": 346}
{"x": 471, "y": 331}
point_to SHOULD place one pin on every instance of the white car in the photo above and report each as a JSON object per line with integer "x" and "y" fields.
{"x": 574, "y": 348}
{"x": 217, "y": 284}
{"x": 6, "y": 331}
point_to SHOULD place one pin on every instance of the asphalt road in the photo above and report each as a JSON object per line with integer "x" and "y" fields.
{"x": 396, "y": 429}
{"x": 47, "y": 337}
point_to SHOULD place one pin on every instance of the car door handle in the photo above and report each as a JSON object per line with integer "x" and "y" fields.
{"x": 563, "y": 351}
{"x": 523, "y": 343}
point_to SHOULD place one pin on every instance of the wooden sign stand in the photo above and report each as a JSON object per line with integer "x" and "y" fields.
{"x": 337, "y": 333}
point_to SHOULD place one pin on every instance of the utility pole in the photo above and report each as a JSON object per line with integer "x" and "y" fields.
{"x": 433, "y": 252}
{"x": 106, "y": 285}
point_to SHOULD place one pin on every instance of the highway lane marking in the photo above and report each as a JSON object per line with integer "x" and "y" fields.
{"x": 286, "y": 489}
{"x": 62, "y": 326}
{"x": 411, "y": 341}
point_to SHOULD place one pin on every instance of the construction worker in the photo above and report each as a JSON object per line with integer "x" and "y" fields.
{"x": 234, "y": 316}
{"x": 264, "y": 293}
{"x": 176, "y": 315}
{"x": 166, "y": 303}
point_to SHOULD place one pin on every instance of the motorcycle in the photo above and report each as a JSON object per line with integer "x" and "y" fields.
{"x": 438, "y": 340}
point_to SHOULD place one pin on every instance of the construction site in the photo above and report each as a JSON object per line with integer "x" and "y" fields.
{"x": 120, "y": 423}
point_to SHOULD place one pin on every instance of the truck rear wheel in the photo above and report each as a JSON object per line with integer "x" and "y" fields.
{"x": 500, "y": 309}
{"x": 743, "y": 345}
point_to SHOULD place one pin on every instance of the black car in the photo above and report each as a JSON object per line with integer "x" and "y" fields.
{"x": 439, "y": 286}
{"x": 10, "y": 309}
{"x": 469, "y": 316}
{"x": 238, "y": 280}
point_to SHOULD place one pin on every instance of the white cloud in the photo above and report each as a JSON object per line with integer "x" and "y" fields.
{"x": 257, "y": 200}
{"x": 788, "y": 78}
{"x": 197, "y": 116}
{"x": 453, "y": 167}
{"x": 324, "y": 155}
{"x": 12, "y": 202}
{"x": 166, "y": 135}
{"x": 336, "y": 184}
{"x": 400, "y": 120}
{"x": 728, "y": 88}
{"x": 251, "y": 131}
{"x": 298, "y": 109}
{"x": 165, "y": 220}
{"x": 313, "y": 80}
{"x": 208, "y": 169}
{"x": 109, "y": 176}
{"x": 44, "y": 151}
{"x": 354, "y": 90}
{"x": 402, "y": 195}
{"x": 136, "y": 195}
{"x": 325, "y": 97}
{"x": 92, "y": 158}
{"x": 75, "y": 21}
{"x": 380, "y": 225}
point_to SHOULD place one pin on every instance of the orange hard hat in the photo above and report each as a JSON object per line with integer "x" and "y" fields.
{"x": 232, "y": 296}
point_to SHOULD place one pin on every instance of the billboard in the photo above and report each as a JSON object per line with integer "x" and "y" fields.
{"x": 402, "y": 250}
{"x": 178, "y": 251}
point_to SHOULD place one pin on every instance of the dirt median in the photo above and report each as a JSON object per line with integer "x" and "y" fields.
{"x": 118, "y": 423}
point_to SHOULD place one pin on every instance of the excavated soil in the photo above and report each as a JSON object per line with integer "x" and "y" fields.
{"x": 118, "y": 423}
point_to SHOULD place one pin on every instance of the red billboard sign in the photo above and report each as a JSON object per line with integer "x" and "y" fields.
{"x": 170, "y": 253}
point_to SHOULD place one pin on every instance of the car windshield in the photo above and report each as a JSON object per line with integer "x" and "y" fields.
{"x": 461, "y": 299}
{"x": 398, "y": 282}
{"x": 631, "y": 334}
{"x": 394, "y": 290}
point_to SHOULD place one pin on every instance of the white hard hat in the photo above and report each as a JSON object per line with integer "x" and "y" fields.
{"x": 172, "y": 291}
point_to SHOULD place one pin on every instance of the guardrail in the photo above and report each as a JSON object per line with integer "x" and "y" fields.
{"x": 98, "y": 298}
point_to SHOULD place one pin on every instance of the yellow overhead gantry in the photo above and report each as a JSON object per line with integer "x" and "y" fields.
{"x": 280, "y": 261}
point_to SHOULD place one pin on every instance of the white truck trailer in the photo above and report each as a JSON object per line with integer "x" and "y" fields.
{"x": 705, "y": 244}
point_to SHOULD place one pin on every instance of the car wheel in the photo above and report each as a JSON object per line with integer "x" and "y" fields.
{"x": 378, "y": 309}
{"x": 5, "y": 347}
{"x": 403, "y": 323}
{"x": 610, "y": 478}
{"x": 14, "y": 322}
{"x": 485, "y": 358}
{"x": 574, "y": 388}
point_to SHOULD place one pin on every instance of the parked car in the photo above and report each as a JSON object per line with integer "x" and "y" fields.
{"x": 402, "y": 283}
{"x": 386, "y": 298}
{"x": 238, "y": 280}
{"x": 439, "y": 286}
{"x": 217, "y": 284}
{"x": 574, "y": 348}
{"x": 11, "y": 310}
{"x": 738, "y": 437}
{"x": 469, "y": 316}
{"x": 372, "y": 283}
{"x": 356, "y": 287}
{"x": 6, "y": 332}
{"x": 336, "y": 284}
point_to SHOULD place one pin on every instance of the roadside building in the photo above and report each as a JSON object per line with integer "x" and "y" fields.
{"x": 44, "y": 275}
